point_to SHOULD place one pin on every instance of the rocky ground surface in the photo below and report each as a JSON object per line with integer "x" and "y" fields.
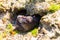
{"x": 48, "y": 19}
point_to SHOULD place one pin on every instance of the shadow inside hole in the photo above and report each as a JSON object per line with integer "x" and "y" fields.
{"x": 17, "y": 12}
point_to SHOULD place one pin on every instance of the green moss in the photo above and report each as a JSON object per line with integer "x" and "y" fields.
{"x": 54, "y": 7}
{"x": 34, "y": 32}
{"x": 9, "y": 27}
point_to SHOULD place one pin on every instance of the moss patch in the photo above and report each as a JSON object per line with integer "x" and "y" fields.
{"x": 34, "y": 32}
{"x": 54, "y": 7}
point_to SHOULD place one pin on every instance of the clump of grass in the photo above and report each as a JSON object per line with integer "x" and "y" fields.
{"x": 10, "y": 29}
{"x": 34, "y": 32}
{"x": 54, "y": 7}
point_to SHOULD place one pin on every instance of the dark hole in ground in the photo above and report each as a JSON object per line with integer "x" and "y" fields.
{"x": 21, "y": 12}
{"x": 26, "y": 25}
{"x": 35, "y": 21}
